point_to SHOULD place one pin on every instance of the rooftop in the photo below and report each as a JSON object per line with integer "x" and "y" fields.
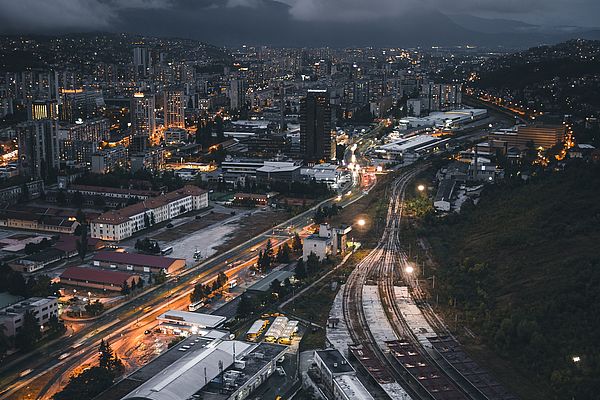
{"x": 96, "y": 275}
{"x": 264, "y": 284}
{"x": 335, "y": 361}
{"x": 135, "y": 259}
{"x": 205, "y": 320}
{"x": 180, "y": 379}
{"x": 124, "y": 214}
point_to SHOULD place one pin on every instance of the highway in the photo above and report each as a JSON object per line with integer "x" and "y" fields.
{"x": 119, "y": 325}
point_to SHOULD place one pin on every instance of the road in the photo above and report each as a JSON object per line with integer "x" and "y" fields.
{"x": 119, "y": 325}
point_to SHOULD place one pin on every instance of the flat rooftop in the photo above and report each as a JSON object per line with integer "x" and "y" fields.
{"x": 193, "y": 318}
{"x": 335, "y": 361}
{"x": 265, "y": 283}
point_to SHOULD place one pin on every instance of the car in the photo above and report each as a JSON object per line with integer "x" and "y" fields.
{"x": 147, "y": 332}
{"x": 63, "y": 356}
{"x": 169, "y": 225}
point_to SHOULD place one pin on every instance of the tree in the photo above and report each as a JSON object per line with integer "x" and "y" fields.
{"x": 30, "y": 332}
{"x": 300, "y": 271}
{"x": 95, "y": 308}
{"x": 140, "y": 283}
{"x": 125, "y": 288}
{"x": 269, "y": 250}
{"x": 61, "y": 198}
{"x": 246, "y": 307}
{"x": 77, "y": 199}
{"x": 82, "y": 242}
{"x": 312, "y": 263}
{"x": 24, "y": 196}
{"x": 152, "y": 220}
{"x": 4, "y": 341}
{"x": 283, "y": 255}
{"x": 160, "y": 277}
{"x": 146, "y": 221}
{"x": 297, "y": 243}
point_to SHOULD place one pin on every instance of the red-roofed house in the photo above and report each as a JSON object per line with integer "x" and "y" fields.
{"x": 94, "y": 278}
{"x": 142, "y": 263}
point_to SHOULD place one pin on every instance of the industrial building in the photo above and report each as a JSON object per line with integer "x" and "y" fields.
{"x": 201, "y": 366}
{"x": 185, "y": 323}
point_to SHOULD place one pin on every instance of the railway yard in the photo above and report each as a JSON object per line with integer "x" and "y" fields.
{"x": 393, "y": 335}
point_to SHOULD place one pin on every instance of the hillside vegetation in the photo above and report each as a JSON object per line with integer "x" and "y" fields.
{"x": 523, "y": 266}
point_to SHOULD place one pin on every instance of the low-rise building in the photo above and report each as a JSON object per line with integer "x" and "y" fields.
{"x": 93, "y": 278}
{"x": 36, "y": 222}
{"x": 13, "y": 316}
{"x": 339, "y": 377}
{"x": 185, "y": 323}
{"x": 109, "y": 159}
{"x": 328, "y": 241}
{"x": 121, "y": 224}
{"x": 443, "y": 197}
{"x": 141, "y": 263}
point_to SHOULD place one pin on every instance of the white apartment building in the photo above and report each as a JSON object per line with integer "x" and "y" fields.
{"x": 13, "y": 316}
{"x": 120, "y": 224}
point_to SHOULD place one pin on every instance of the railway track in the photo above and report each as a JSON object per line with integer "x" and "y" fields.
{"x": 420, "y": 362}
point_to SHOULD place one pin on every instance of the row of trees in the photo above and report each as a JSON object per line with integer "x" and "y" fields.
{"x": 323, "y": 213}
{"x": 202, "y": 291}
{"x": 147, "y": 246}
{"x": 15, "y": 283}
{"x": 127, "y": 288}
{"x": 95, "y": 380}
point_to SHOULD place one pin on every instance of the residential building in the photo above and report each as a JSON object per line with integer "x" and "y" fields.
{"x": 534, "y": 136}
{"x": 328, "y": 241}
{"x": 108, "y": 159}
{"x": 316, "y": 137}
{"x": 174, "y": 109}
{"x": 143, "y": 119}
{"x": 38, "y": 148}
{"x": 120, "y": 224}
{"x": 237, "y": 94}
{"x": 13, "y": 316}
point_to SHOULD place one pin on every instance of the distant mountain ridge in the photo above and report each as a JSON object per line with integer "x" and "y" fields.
{"x": 269, "y": 22}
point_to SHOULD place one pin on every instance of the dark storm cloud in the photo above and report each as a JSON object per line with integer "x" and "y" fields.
{"x": 78, "y": 15}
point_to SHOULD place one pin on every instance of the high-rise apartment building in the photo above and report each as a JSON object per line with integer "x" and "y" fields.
{"x": 143, "y": 118}
{"x": 316, "y": 143}
{"x": 38, "y": 148}
{"x": 237, "y": 93}
{"x": 142, "y": 61}
{"x": 174, "y": 106}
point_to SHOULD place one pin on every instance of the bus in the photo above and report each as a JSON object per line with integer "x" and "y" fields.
{"x": 196, "y": 306}
{"x": 167, "y": 250}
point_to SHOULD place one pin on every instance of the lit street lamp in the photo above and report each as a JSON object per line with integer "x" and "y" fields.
{"x": 409, "y": 269}
{"x": 361, "y": 222}
{"x": 421, "y": 188}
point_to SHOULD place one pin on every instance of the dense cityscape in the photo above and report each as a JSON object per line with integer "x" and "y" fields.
{"x": 187, "y": 220}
